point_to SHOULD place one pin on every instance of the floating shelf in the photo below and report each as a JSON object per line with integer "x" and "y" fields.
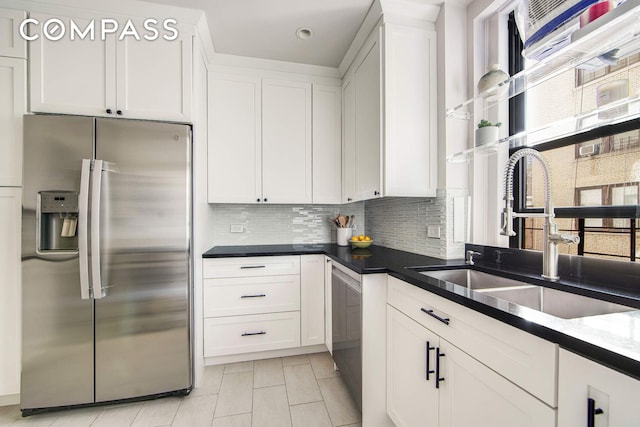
{"x": 616, "y": 36}
{"x": 615, "y": 112}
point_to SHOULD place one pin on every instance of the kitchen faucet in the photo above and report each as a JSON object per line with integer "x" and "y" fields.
{"x": 550, "y": 235}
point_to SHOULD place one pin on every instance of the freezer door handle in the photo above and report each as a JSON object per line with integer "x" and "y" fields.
{"x": 83, "y": 237}
{"x": 96, "y": 185}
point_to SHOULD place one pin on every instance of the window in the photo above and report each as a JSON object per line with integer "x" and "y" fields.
{"x": 595, "y": 174}
{"x": 585, "y": 76}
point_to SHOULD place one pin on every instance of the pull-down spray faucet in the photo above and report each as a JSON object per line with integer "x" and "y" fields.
{"x": 550, "y": 235}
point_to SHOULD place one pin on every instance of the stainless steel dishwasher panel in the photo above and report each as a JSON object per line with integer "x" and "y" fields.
{"x": 346, "y": 306}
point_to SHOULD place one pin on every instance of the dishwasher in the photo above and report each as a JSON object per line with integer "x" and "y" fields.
{"x": 346, "y": 306}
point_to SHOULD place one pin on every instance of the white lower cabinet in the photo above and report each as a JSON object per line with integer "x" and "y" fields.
{"x": 590, "y": 394}
{"x": 437, "y": 376}
{"x": 312, "y": 299}
{"x": 412, "y": 398}
{"x": 247, "y": 334}
{"x": 471, "y": 394}
{"x": 254, "y": 304}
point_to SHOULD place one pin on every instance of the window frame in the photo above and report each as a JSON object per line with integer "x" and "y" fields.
{"x": 517, "y": 107}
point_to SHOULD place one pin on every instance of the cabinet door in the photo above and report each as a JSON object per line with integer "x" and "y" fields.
{"x": 412, "y": 397}
{"x": 312, "y": 299}
{"x": 471, "y": 394}
{"x": 11, "y": 43}
{"x": 154, "y": 78}
{"x": 235, "y": 155}
{"x": 612, "y": 392}
{"x": 72, "y": 76}
{"x": 286, "y": 142}
{"x": 327, "y": 130}
{"x": 349, "y": 142}
{"x": 10, "y": 213}
{"x": 367, "y": 129}
{"x": 12, "y": 108}
{"x": 410, "y": 142}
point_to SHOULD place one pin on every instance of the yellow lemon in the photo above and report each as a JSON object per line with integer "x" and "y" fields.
{"x": 367, "y": 238}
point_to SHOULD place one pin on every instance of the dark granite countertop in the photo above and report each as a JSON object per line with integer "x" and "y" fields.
{"x": 609, "y": 339}
{"x": 374, "y": 259}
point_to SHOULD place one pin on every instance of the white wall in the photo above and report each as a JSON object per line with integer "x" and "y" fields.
{"x": 487, "y": 44}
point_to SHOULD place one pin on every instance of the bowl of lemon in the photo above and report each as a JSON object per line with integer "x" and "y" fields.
{"x": 361, "y": 241}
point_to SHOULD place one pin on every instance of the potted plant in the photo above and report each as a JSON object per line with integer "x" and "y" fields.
{"x": 487, "y": 132}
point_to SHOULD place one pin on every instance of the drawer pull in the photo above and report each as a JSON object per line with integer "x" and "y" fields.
{"x": 439, "y": 379}
{"x": 429, "y": 371}
{"x": 248, "y": 334}
{"x": 444, "y": 320}
{"x": 245, "y": 267}
{"x": 254, "y": 296}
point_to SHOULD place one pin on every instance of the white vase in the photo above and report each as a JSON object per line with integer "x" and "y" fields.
{"x": 486, "y": 135}
{"x": 343, "y": 235}
{"x": 491, "y": 79}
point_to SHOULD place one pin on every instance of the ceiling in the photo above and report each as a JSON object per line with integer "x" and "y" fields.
{"x": 267, "y": 28}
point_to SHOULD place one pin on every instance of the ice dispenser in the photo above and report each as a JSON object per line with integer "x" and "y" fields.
{"x": 57, "y": 213}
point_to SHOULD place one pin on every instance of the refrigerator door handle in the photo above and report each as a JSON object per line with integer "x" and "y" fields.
{"x": 96, "y": 185}
{"x": 83, "y": 236}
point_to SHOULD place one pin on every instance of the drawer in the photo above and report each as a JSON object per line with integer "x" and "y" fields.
{"x": 246, "y": 334}
{"x": 251, "y": 295}
{"x": 214, "y": 268}
{"x": 527, "y": 360}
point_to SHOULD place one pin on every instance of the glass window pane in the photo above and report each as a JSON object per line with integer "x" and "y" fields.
{"x": 591, "y": 197}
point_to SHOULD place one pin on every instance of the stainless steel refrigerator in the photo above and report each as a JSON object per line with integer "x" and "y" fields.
{"x": 106, "y": 261}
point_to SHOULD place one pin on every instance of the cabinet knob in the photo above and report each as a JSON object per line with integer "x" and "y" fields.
{"x": 349, "y": 199}
{"x": 258, "y": 200}
{"x": 376, "y": 193}
{"x": 265, "y": 200}
{"x": 109, "y": 111}
{"x": 119, "y": 112}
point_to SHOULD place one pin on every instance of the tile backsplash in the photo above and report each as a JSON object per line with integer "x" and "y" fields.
{"x": 279, "y": 224}
{"x": 402, "y": 222}
{"x": 395, "y": 222}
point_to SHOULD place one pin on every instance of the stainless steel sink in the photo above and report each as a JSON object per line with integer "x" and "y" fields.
{"x": 472, "y": 279}
{"x": 557, "y": 303}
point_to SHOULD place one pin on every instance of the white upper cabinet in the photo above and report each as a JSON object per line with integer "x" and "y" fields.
{"x": 11, "y": 44}
{"x": 286, "y": 142}
{"x": 113, "y": 78}
{"x": 272, "y": 140}
{"x": 72, "y": 77}
{"x": 235, "y": 144}
{"x": 410, "y": 103}
{"x": 327, "y": 155}
{"x": 389, "y": 116}
{"x": 154, "y": 78}
{"x": 348, "y": 142}
{"x": 12, "y": 108}
{"x": 367, "y": 127}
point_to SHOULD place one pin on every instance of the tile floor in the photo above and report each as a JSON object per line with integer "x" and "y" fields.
{"x": 289, "y": 391}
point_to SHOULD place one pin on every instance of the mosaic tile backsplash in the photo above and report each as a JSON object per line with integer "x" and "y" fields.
{"x": 398, "y": 223}
{"x": 401, "y": 223}
{"x": 279, "y": 224}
